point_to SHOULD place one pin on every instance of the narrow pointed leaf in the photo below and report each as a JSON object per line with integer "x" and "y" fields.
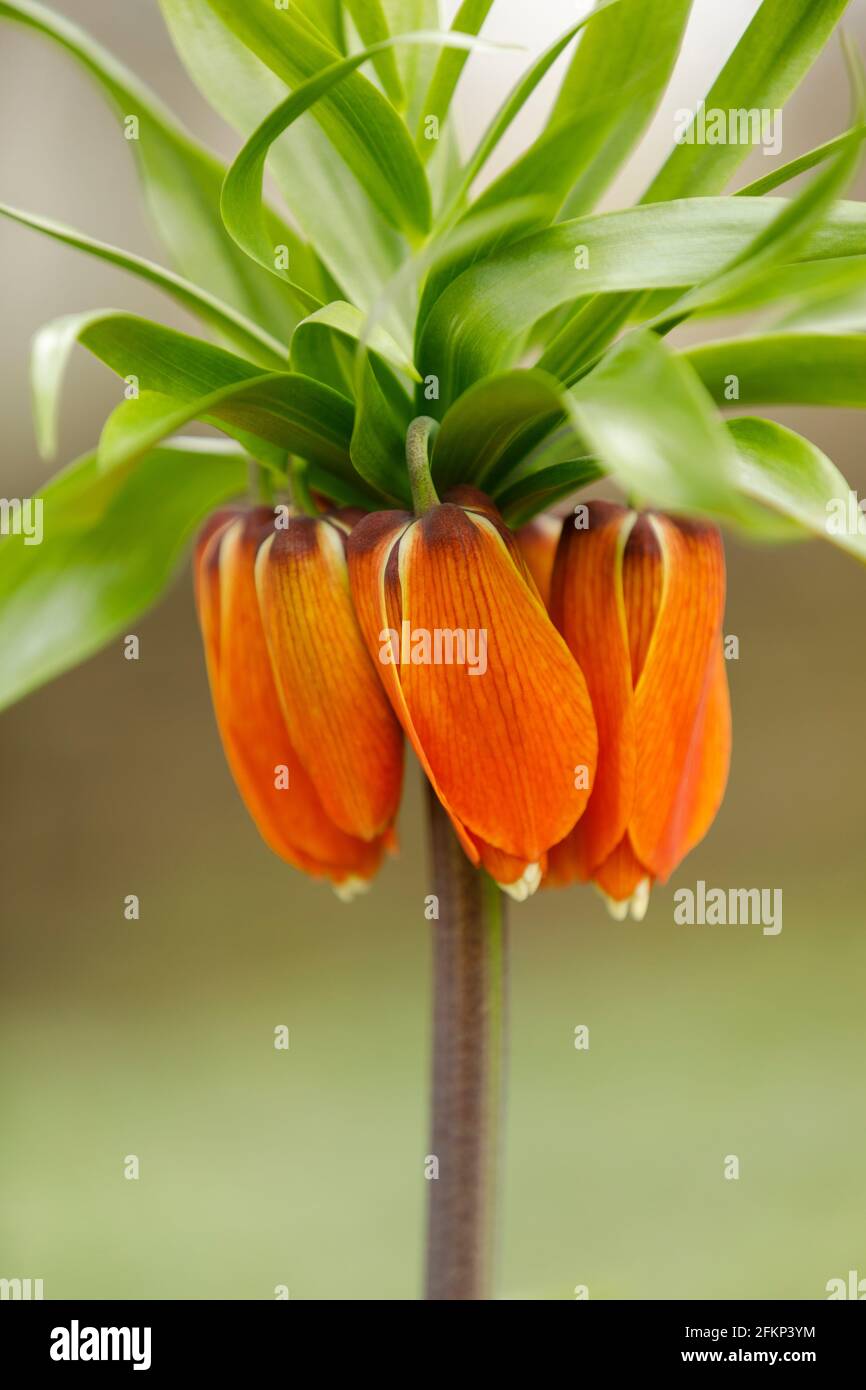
{"x": 450, "y": 64}
{"x": 371, "y": 23}
{"x": 298, "y": 415}
{"x": 99, "y": 566}
{"x": 382, "y": 417}
{"x": 622, "y": 66}
{"x": 222, "y": 318}
{"x": 242, "y": 208}
{"x": 765, "y": 69}
{"x": 415, "y": 65}
{"x": 515, "y": 102}
{"x": 322, "y": 194}
{"x": 269, "y": 414}
{"x": 779, "y": 242}
{"x": 478, "y": 325}
{"x": 771, "y": 59}
{"x": 783, "y": 173}
{"x": 360, "y": 123}
{"x": 784, "y": 369}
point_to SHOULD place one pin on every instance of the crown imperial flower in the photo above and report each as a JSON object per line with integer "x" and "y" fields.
{"x": 640, "y": 599}
{"x": 310, "y": 738}
{"x": 500, "y": 751}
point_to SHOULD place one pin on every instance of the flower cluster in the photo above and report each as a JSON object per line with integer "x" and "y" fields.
{"x": 593, "y": 746}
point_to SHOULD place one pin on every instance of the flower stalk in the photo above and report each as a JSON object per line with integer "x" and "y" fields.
{"x": 469, "y": 1032}
{"x": 419, "y": 437}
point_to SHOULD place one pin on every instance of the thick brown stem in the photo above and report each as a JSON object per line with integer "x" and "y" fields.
{"x": 469, "y": 958}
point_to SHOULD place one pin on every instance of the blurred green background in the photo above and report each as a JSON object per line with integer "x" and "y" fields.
{"x": 305, "y": 1167}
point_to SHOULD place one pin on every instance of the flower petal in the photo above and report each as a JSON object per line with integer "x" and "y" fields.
{"x": 537, "y": 542}
{"x": 621, "y": 873}
{"x": 342, "y": 726}
{"x": 670, "y": 693}
{"x": 705, "y": 774}
{"x": 373, "y": 557}
{"x": 588, "y": 607}
{"x": 504, "y": 741}
{"x": 642, "y": 581}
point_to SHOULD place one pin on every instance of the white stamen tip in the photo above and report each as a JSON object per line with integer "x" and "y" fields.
{"x": 350, "y": 888}
{"x": 617, "y": 910}
{"x": 636, "y": 905}
{"x": 640, "y": 900}
{"x": 525, "y": 886}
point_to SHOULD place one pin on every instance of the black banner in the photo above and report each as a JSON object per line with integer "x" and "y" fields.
{"x": 156, "y": 1338}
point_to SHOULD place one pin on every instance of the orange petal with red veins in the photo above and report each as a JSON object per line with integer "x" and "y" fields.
{"x": 537, "y": 542}
{"x": 292, "y": 821}
{"x": 588, "y": 607}
{"x": 642, "y": 581}
{"x": 373, "y": 556}
{"x": 341, "y": 723}
{"x": 503, "y": 743}
{"x": 671, "y": 690}
{"x": 706, "y": 771}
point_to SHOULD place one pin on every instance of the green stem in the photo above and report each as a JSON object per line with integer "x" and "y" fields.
{"x": 418, "y": 437}
{"x": 469, "y": 1026}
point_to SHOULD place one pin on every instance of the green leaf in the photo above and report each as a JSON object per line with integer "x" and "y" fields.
{"x": 645, "y": 415}
{"x": 535, "y": 493}
{"x": 328, "y": 17}
{"x": 480, "y": 429}
{"x": 360, "y": 123}
{"x": 779, "y": 242}
{"x": 589, "y": 327}
{"x": 768, "y": 64}
{"x": 478, "y": 325}
{"x": 49, "y": 358}
{"x": 474, "y": 238}
{"x": 268, "y": 414}
{"x": 415, "y": 64}
{"x": 109, "y": 549}
{"x": 224, "y": 320}
{"x": 298, "y": 415}
{"x": 784, "y": 369}
{"x": 181, "y": 180}
{"x": 594, "y": 125}
{"x": 450, "y": 65}
{"x": 552, "y": 164}
{"x": 347, "y": 321}
{"x": 621, "y": 68}
{"x": 242, "y": 208}
{"x": 371, "y": 23}
{"x": 783, "y": 173}
{"x": 832, "y": 303}
{"x": 324, "y": 197}
{"x": 514, "y": 104}
{"x": 791, "y": 475}
{"x": 382, "y": 417}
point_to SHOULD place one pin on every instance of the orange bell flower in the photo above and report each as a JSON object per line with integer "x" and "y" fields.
{"x": 640, "y": 600}
{"x": 495, "y": 706}
{"x": 313, "y": 746}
